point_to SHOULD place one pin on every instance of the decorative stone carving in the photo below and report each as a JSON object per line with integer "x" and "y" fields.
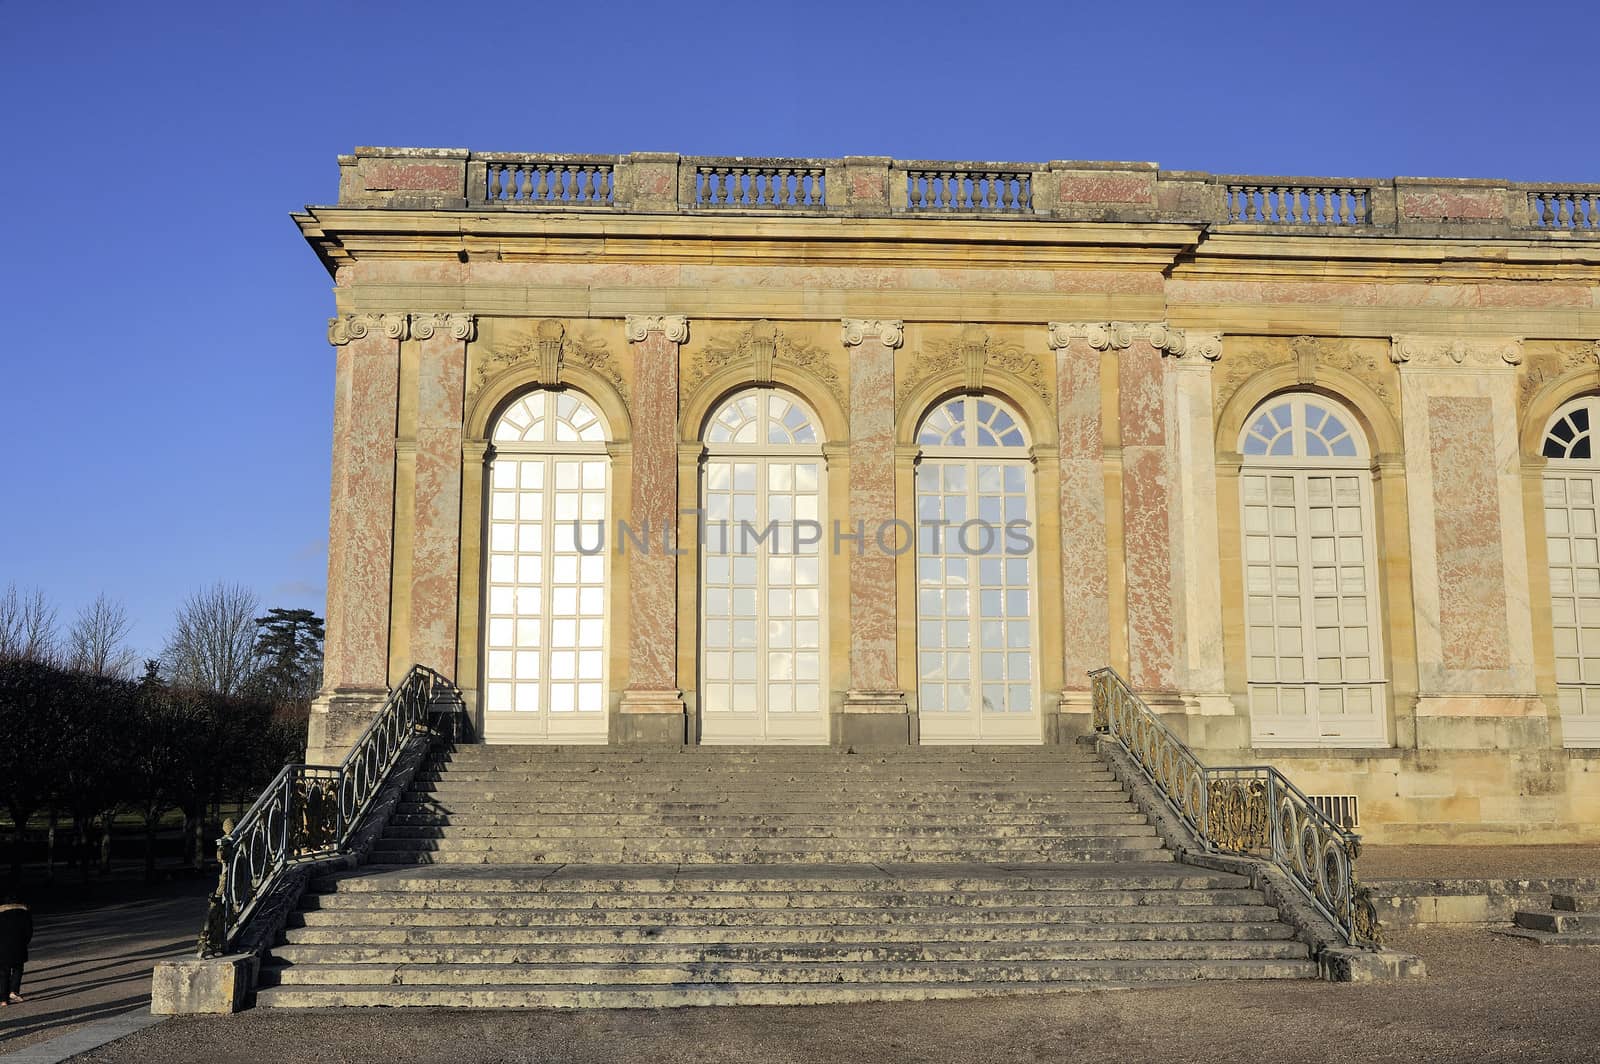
{"x": 1455, "y": 351}
{"x": 553, "y": 349}
{"x": 674, "y": 327}
{"x": 456, "y": 326}
{"x": 342, "y": 330}
{"x": 856, "y": 330}
{"x": 761, "y": 346}
{"x": 972, "y": 352}
{"x": 1119, "y": 335}
{"x": 1547, "y": 366}
{"x": 1313, "y": 351}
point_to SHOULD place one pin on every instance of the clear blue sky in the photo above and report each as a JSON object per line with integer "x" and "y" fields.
{"x": 166, "y": 397}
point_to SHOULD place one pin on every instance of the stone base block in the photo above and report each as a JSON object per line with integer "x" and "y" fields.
{"x": 338, "y": 718}
{"x": 652, "y": 729}
{"x": 197, "y": 986}
{"x": 1346, "y": 964}
{"x": 874, "y": 729}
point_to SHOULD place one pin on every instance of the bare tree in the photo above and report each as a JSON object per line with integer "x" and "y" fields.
{"x": 27, "y": 626}
{"x": 96, "y": 643}
{"x": 212, "y": 645}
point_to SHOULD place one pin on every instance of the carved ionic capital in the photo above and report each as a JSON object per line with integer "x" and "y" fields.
{"x": 855, "y": 330}
{"x": 1450, "y": 351}
{"x": 455, "y": 326}
{"x": 675, "y": 327}
{"x": 1120, "y": 335}
{"x": 343, "y": 329}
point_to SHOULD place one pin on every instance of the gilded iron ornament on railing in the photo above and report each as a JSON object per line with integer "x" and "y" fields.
{"x": 1252, "y": 811}
{"x": 309, "y": 812}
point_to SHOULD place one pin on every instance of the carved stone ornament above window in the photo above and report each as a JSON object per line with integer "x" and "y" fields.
{"x": 553, "y": 350}
{"x": 760, "y": 347}
{"x": 1119, "y": 335}
{"x": 972, "y": 352}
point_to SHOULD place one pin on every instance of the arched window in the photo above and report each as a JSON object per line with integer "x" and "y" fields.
{"x": 544, "y": 624}
{"x": 1311, "y": 605}
{"x": 763, "y": 573}
{"x": 977, "y": 673}
{"x": 1570, "y": 479}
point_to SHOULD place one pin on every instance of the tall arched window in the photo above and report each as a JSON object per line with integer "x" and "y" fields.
{"x": 544, "y": 625}
{"x": 762, "y": 570}
{"x": 977, "y": 674}
{"x": 1570, "y": 479}
{"x": 1311, "y": 604}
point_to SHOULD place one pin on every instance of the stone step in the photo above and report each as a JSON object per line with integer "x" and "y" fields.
{"x": 512, "y": 972}
{"x": 766, "y": 917}
{"x": 1559, "y": 922}
{"x": 649, "y": 958}
{"x": 1043, "y": 773}
{"x": 754, "y": 857}
{"x": 907, "y": 811}
{"x": 1116, "y": 815}
{"x": 501, "y": 753}
{"x": 844, "y": 829}
{"x": 1576, "y": 903}
{"x": 758, "y": 792}
{"x": 594, "y": 884}
{"x": 1081, "y": 976}
{"x": 936, "y": 928}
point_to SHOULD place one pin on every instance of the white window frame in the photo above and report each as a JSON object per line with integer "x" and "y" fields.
{"x": 543, "y": 725}
{"x": 763, "y": 726}
{"x": 1277, "y": 730}
{"x": 975, "y": 726}
{"x": 1579, "y": 700}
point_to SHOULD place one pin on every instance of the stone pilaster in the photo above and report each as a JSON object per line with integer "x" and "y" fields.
{"x": 1475, "y": 665}
{"x": 1085, "y": 609}
{"x": 652, "y": 704}
{"x": 441, "y": 382}
{"x": 875, "y": 689}
{"x": 361, "y": 529}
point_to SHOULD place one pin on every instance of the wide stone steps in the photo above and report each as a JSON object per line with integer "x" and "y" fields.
{"x": 1571, "y": 920}
{"x": 579, "y": 877}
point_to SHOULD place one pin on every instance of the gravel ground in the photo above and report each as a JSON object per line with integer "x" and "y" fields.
{"x": 1488, "y": 998}
{"x": 1477, "y": 862}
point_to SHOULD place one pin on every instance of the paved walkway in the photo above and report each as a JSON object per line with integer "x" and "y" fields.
{"x": 1488, "y": 997}
{"x": 93, "y": 948}
{"x": 1477, "y": 862}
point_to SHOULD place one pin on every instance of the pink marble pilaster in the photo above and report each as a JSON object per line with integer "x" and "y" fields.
{"x": 653, "y": 574}
{"x": 1146, "y": 516}
{"x": 874, "y": 677}
{"x": 333, "y": 632}
{"x": 435, "y": 566}
{"x": 1085, "y": 613}
{"x": 1473, "y": 624}
{"x": 363, "y": 547}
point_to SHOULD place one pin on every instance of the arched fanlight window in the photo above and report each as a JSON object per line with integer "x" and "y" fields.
{"x": 1311, "y": 607}
{"x": 1572, "y": 545}
{"x": 977, "y": 673}
{"x": 547, "y": 568}
{"x": 550, "y": 417}
{"x": 763, "y": 573}
{"x": 973, "y": 422}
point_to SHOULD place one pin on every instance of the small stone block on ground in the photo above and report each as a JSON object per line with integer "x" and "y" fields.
{"x": 204, "y": 986}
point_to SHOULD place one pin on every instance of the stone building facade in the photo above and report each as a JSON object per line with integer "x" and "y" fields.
{"x": 1308, "y": 461}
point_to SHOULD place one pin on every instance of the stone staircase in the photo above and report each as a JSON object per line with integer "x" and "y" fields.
{"x": 592, "y": 876}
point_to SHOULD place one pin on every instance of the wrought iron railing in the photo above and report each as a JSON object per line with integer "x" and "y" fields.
{"x": 1252, "y": 811}
{"x": 309, "y": 812}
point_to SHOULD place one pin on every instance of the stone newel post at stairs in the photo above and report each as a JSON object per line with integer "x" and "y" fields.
{"x": 361, "y": 529}
{"x": 652, "y": 708}
{"x": 875, "y": 705}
